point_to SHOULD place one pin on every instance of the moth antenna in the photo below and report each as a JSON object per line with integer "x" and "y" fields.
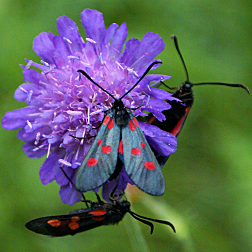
{"x": 171, "y": 88}
{"x": 88, "y": 77}
{"x": 155, "y": 220}
{"x": 143, "y": 221}
{"x": 180, "y": 55}
{"x": 146, "y": 71}
{"x": 223, "y": 84}
{"x": 204, "y": 83}
{"x": 75, "y": 137}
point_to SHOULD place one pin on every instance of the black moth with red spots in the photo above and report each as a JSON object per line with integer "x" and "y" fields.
{"x": 177, "y": 114}
{"x": 77, "y": 221}
{"x": 120, "y": 139}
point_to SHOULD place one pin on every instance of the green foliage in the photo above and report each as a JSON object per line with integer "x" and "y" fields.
{"x": 208, "y": 180}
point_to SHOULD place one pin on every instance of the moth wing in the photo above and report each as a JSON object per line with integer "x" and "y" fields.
{"x": 69, "y": 224}
{"x": 100, "y": 161}
{"x": 139, "y": 160}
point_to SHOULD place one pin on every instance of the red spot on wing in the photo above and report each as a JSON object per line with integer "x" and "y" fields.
{"x": 178, "y": 126}
{"x": 106, "y": 120}
{"x": 135, "y": 151}
{"x": 54, "y": 223}
{"x": 99, "y": 218}
{"x": 120, "y": 148}
{"x": 99, "y": 142}
{"x": 98, "y": 212}
{"x": 175, "y": 131}
{"x": 73, "y": 225}
{"x": 149, "y": 165}
{"x": 187, "y": 111}
{"x": 111, "y": 123}
{"x": 136, "y": 122}
{"x": 92, "y": 162}
{"x": 142, "y": 145}
{"x": 131, "y": 125}
{"x": 75, "y": 218}
{"x": 106, "y": 149}
{"x": 152, "y": 120}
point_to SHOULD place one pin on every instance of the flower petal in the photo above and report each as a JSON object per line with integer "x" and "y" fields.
{"x": 131, "y": 47}
{"x": 118, "y": 42}
{"x": 30, "y": 75}
{"x": 33, "y": 151}
{"x": 150, "y": 46}
{"x": 61, "y": 179}
{"x": 156, "y": 107}
{"x": 43, "y": 46}
{"x": 50, "y": 167}
{"x": 68, "y": 195}
{"x": 31, "y": 136}
{"x": 158, "y": 93}
{"x": 93, "y": 23}
{"x": 163, "y": 142}
{"x": 68, "y": 29}
{"x": 110, "y": 33}
{"x": 18, "y": 118}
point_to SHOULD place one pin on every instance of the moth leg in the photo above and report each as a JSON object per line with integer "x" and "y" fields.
{"x": 83, "y": 198}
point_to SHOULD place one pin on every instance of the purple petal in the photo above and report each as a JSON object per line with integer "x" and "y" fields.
{"x": 18, "y": 118}
{"x": 44, "y": 47}
{"x": 62, "y": 50}
{"x": 156, "y": 107}
{"x": 118, "y": 42}
{"x": 50, "y": 167}
{"x": 163, "y": 142}
{"x": 31, "y": 63}
{"x": 110, "y": 33}
{"x": 145, "y": 86}
{"x": 23, "y": 92}
{"x": 68, "y": 29}
{"x": 68, "y": 195}
{"x": 33, "y": 151}
{"x": 30, "y": 75}
{"x": 131, "y": 47}
{"x": 61, "y": 178}
{"x": 155, "y": 77}
{"x": 29, "y": 137}
{"x": 150, "y": 46}
{"x": 158, "y": 93}
{"x": 93, "y": 23}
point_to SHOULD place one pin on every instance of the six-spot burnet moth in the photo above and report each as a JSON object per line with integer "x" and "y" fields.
{"x": 177, "y": 114}
{"x": 120, "y": 139}
{"x": 77, "y": 221}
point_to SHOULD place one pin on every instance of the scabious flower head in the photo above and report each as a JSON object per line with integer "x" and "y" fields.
{"x": 62, "y": 105}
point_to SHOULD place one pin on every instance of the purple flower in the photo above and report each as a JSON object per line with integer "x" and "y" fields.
{"x": 60, "y": 105}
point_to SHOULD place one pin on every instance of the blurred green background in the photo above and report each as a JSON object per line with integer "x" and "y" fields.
{"x": 208, "y": 180}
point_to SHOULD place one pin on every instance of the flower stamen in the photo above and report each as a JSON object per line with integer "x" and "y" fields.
{"x": 48, "y": 150}
{"x": 64, "y": 162}
{"x": 68, "y": 40}
{"x": 91, "y": 41}
{"x": 44, "y": 63}
{"x": 29, "y": 124}
{"x": 37, "y": 138}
